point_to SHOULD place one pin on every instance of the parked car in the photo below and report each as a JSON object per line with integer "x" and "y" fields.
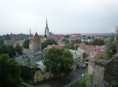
{"x": 82, "y": 75}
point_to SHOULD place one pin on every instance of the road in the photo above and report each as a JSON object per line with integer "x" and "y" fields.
{"x": 64, "y": 81}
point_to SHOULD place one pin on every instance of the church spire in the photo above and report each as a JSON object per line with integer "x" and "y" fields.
{"x": 46, "y": 24}
{"x": 46, "y": 29}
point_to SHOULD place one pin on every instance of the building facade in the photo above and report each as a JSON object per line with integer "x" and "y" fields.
{"x": 9, "y": 40}
{"x": 35, "y": 44}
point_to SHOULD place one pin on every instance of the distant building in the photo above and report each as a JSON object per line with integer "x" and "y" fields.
{"x": 35, "y": 44}
{"x": 30, "y": 35}
{"x": 39, "y": 75}
{"x": 9, "y": 40}
{"x": 46, "y": 29}
{"x": 77, "y": 57}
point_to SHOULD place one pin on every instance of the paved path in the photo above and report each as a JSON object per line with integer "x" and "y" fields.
{"x": 28, "y": 85}
{"x": 64, "y": 81}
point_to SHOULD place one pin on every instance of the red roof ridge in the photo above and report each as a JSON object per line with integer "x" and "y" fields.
{"x": 36, "y": 38}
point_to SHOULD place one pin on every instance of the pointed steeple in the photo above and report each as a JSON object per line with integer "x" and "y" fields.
{"x": 36, "y": 38}
{"x": 46, "y": 24}
{"x": 46, "y": 29}
{"x": 29, "y": 31}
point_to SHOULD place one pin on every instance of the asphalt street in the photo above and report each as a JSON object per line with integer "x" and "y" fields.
{"x": 64, "y": 81}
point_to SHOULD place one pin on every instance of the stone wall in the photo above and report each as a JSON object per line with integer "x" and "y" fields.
{"x": 98, "y": 76}
{"x": 106, "y": 72}
{"x": 111, "y": 71}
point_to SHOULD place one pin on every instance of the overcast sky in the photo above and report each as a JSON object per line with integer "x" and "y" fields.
{"x": 64, "y": 16}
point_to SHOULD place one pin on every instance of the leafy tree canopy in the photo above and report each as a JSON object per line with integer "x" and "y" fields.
{"x": 26, "y": 43}
{"x": 98, "y": 42}
{"x": 66, "y": 41}
{"x": 48, "y": 42}
{"x": 19, "y": 49}
{"x": 70, "y": 46}
{"x": 66, "y": 36}
{"x": 9, "y": 72}
{"x": 4, "y": 49}
{"x": 58, "y": 61}
{"x": 27, "y": 73}
{"x": 88, "y": 37}
{"x": 110, "y": 47}
{"x": 77, "y": 41}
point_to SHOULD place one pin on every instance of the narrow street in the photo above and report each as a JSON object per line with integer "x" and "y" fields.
{"x": 64, "y": 81}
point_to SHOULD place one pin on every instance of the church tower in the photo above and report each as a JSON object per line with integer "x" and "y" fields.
{"x": 35, "y": 44}
{"x": 46, "y": 29}
{"x": 9, "y": 40}
{"x": 30, "y": 35}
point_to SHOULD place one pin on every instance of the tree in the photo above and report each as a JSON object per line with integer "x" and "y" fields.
{"x": 27, "y": 73}
{"x": 48, "y": 42}
{"x": 9, "y": 72}
{"x": 58, "y": 61}
{"x": 77, "y": 41}
{"x": 4, "y": 49}
{"x": 1, "y": 41}
{"x": 66, "y": 41}
{"x": 98, "y": 42}
{"x": 11, "y": 52}
{"x": 18, "y": 49}
{"x": 66, "y": 36}
{"x": 26, "y": 43}
{"x": 110, "y": 47}
{"x": 70, "y": 46}
{"x": 88, "y": 37}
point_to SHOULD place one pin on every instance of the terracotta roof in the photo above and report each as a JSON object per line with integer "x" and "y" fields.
{"x": 99, "y": 54}
{"x": 55, "y": 46}
{"x": 7, "y": 37}
{"x": 88, "y": 48}
{"x": 36, "y": 38}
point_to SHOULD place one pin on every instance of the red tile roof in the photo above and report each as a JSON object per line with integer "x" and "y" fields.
{"x": 36, "y": 38}
{"x": 99, "y": 54}
{"x": 55, "y": 46}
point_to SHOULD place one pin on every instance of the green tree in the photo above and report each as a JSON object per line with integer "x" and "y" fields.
{"x": 66, "y": 41}
{"x": 48, "y": 42}
{"x": 98, "y": 42}
{"x": 18, "y": 49}
{"x": 110, "y": 47}
{"x": 27, "y": 73}
{"x": 58, "y": 61}
{"x": 4, "y": 49}
{"x": 11, "y": 52}
{"x": 88, "y": 37}
{"x": 70, "y": 46}
{"x": 77, "y": 41}
{"x": 26, "y": 43}
{"x": 66, "y": 36}
{"x": 1, "y": 41}
{"x": 9, "y": 72}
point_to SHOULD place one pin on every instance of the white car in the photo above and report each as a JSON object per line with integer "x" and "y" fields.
{"x": 82, "y": 75}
